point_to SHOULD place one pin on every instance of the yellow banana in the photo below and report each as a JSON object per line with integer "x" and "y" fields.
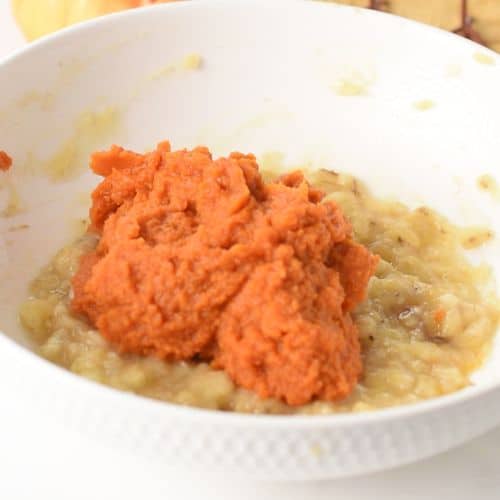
{"x": 39, "y": 17}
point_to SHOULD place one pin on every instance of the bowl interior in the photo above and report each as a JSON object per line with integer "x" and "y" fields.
{"x": 412, "y": 111}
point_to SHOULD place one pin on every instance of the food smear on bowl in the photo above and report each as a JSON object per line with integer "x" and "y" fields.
{"x": 190, "y": 62}
{"x": 354, "y": 84}
{"x": 91, "y": 128}
{"x": 5, "y": 161}
{"x": 427, "y": 323}
{"x": 483, "y": 58}
{"x": 488, "y": 184}
{"x": 424, "y": 105}
{"x": 11, "y": 204}
{"x": 201, "y": 259}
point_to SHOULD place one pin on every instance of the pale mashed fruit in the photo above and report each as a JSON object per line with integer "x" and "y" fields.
{"x": 427, "y": 324}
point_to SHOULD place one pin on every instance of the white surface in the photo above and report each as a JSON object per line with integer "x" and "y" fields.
{"x": 28, "y": 463}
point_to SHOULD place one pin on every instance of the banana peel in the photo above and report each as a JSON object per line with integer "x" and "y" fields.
{"x": 446, "y": 14}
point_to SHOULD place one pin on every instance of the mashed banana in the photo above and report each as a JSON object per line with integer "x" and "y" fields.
{"x": 427, "y": 324}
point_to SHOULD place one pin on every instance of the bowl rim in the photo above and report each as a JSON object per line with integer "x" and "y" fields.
{"x": 24, "y": 354}
{"x": 90, "y": 24}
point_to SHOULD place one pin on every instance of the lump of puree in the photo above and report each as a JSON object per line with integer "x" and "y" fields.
{"x": 199, "y": 259}
{"x": 5, "y": 161}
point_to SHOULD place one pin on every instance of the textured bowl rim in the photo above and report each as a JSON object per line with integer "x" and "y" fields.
{"x": 215, "y": 416}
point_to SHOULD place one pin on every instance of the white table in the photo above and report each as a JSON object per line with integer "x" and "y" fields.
{"x": 39, "y": 461}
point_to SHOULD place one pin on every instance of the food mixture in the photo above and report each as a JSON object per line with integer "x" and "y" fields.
{"x": 199, "y": 283}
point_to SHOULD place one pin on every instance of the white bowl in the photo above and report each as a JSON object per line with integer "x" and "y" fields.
{"x": 269, "y": 81}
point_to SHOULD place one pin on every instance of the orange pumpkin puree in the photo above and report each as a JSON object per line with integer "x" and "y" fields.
{"x": 5, "y": 161}
{"x": 199, "y": 259}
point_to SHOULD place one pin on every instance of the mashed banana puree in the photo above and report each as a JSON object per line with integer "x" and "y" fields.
{"x": 201, "y": 284}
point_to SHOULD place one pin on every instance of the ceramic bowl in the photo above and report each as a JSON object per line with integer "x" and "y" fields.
{"x": 412, "y": 110}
